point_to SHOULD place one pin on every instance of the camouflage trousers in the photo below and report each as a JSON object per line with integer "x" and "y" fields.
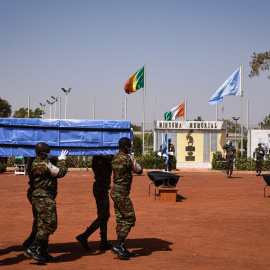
{"x": 29, "y": 197}
{"x": 46, "y": 216}
{"x": 229, "y": 164}
{"x": 259, "y": 164}
{"x": 124, "y": 211}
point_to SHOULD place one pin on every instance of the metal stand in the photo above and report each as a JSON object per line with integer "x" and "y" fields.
{"x": 19, "y": 169}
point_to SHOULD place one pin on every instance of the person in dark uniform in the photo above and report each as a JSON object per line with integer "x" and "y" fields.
{"x": 43, "y": 176}
{"x": 171, "y": 151}
{"x": 102, "y": 169}
{"x": 230, "y": 157}
{"x": 123, "y": 164}
{"x": 258, "y": 157}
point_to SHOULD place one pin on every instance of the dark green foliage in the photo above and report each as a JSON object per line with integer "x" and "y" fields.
{"x": 153, "y": 162}
{"x": 5, "y": 108}
{"x": 137, "y": 145}
{"x": 218, "y": 162}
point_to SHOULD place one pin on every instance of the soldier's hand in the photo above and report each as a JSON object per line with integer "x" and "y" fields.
{"x": 255, "y": 159}
{"x": 63, "y": 155}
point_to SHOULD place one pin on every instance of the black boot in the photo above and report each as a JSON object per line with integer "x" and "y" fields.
{"x": 81, "y": 238}
{"x": 34, "y": 251}
{"x": 131, "y": 254}
{"x": 27, "y": 243}
{"x": 104, "y": 243}
{"x": 118, "y": 248}
{"x": 46, "y": 255}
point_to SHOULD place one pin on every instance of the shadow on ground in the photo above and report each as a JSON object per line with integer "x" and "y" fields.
{"x": 73, "y": 251}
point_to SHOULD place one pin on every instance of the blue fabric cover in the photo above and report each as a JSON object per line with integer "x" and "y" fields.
{"x": 18, "y": 136}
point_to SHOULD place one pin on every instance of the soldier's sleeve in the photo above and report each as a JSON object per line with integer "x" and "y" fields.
{"x": 225, "y": 146}
{"x": 136, "y": 168}
{"x": 58, "y": 172}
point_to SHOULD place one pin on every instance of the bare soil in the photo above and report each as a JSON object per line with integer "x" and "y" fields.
{"x": 216, "y": 223}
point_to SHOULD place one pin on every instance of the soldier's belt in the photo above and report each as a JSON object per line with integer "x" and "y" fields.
{"x": 121, "y": 187}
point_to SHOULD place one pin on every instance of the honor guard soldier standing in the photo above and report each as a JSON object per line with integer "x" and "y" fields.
{"x": 171, "y": 151}
{"x": 258, "y": 157}
{"x": 43, "y": 175}
{"x": 230, "y": 157}
{"x": 102, "y": 169}
{"x": 123, "y": 165}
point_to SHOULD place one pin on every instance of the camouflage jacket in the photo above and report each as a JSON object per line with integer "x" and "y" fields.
{"x": 45, "y": 175}
{"x": 258, "y": 153}
{"x": 171, "y": 148}
{"x": 230, "y": 151}
{"x": 102, "y": 170}
{"x": 123, "y": 165}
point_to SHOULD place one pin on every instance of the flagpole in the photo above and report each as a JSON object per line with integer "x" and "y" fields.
{"x": 185, "y": 109}
{"x": 241, "y": 87}
{"x": 216, "y": 112}
{"x": 144, "y": 89}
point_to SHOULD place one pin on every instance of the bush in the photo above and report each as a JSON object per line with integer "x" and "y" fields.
{"x": 218, "y": 162}
{"x": 153, "y": 162}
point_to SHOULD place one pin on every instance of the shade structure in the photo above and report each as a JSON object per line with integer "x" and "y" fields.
{"x": 266, "y": 178}
{"x": 163, "y": 178}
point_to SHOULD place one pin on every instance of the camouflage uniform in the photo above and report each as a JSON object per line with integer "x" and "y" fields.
{"x": 44, "y": 193}
{"x": 259, "y": 154}
{"x": 123, "y": 165}
{"x": 230, "y": 156}
{"x": 170, "y": 149}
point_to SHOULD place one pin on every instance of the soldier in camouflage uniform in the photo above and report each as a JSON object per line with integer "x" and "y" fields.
{"x": 171, "y": 151}
{"x": 258, "y": 157}
{"x": 102, "y": 169}
{"x": 43, "y": 175}
{"x": 230, "y": 157}
{"x": 123, "y": 165}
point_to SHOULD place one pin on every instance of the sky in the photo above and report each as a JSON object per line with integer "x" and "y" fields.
{"x": 93, "y": 46}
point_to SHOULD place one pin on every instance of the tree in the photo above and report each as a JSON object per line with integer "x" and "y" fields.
{"x": 137, "y": 145}
{"x": 23, "y": 113}
{"x": 5, "y": 108}
{"x": 260, "y": 62}
{"x": 265, "y": 122}
{"x": 135, "y": 127}
{"x": 199, "y": 118}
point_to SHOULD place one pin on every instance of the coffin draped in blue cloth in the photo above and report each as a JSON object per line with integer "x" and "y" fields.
{"x": 18, "y": 136}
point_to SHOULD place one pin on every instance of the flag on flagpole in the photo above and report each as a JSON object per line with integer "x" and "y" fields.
{"x": 164, "y": 148}
{"x": 178, "y": 111}
{"x": 135, "y": 82}
{"x": 230, "y": 87}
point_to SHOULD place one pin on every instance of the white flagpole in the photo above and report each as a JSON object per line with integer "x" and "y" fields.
{"x": 241, "y": 89}
{"x": 216, "y": 112}
{"x": 185, "y": 109}
{"x": 144, "y": 90}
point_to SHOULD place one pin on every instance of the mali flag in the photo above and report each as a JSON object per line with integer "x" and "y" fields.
{"x": 135, "y": 82}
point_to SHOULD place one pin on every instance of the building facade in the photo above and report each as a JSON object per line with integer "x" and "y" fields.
{"x": 194, "y": 141}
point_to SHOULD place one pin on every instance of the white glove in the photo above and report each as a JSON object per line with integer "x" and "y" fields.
{"x": 159, "y": 154}
{"x": 63, "y": 155}
{"x": 255, "y": 159}
{"x": 228, "y": 142}
{"x": 171, "y": 153}
{"x": 261, "y": 152}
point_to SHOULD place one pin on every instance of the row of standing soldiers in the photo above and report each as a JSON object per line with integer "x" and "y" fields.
{"x": 258, "y": 156}
{"x": 43, "y": 174}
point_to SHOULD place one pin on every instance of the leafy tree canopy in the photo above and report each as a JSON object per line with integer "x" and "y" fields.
{"x": 5, "y": 108}
{"x": 260, "y": 62}
{"x": 199, "y": 118}
{"x": 135, "y": 127}
{"x": 265, "y": 121}
{"x": 23, "y": 113}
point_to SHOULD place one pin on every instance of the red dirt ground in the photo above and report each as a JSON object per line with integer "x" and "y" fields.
{"x": 217, "y": 223}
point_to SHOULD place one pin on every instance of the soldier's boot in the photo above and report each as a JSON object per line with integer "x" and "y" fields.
{"x": 104, "y": 243}
{"x": 118, "y": 248}
{"x": 231, "y": 174}
{"x": 46, "y": 255}
{"x": 27, "y": 243}
{"x": 228, "y": 175}
{"x": 83, "y": 238}
{"x": 130, "y": 253}
{"x": 34, "y": 251}
{"x": 259, "y": 173}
